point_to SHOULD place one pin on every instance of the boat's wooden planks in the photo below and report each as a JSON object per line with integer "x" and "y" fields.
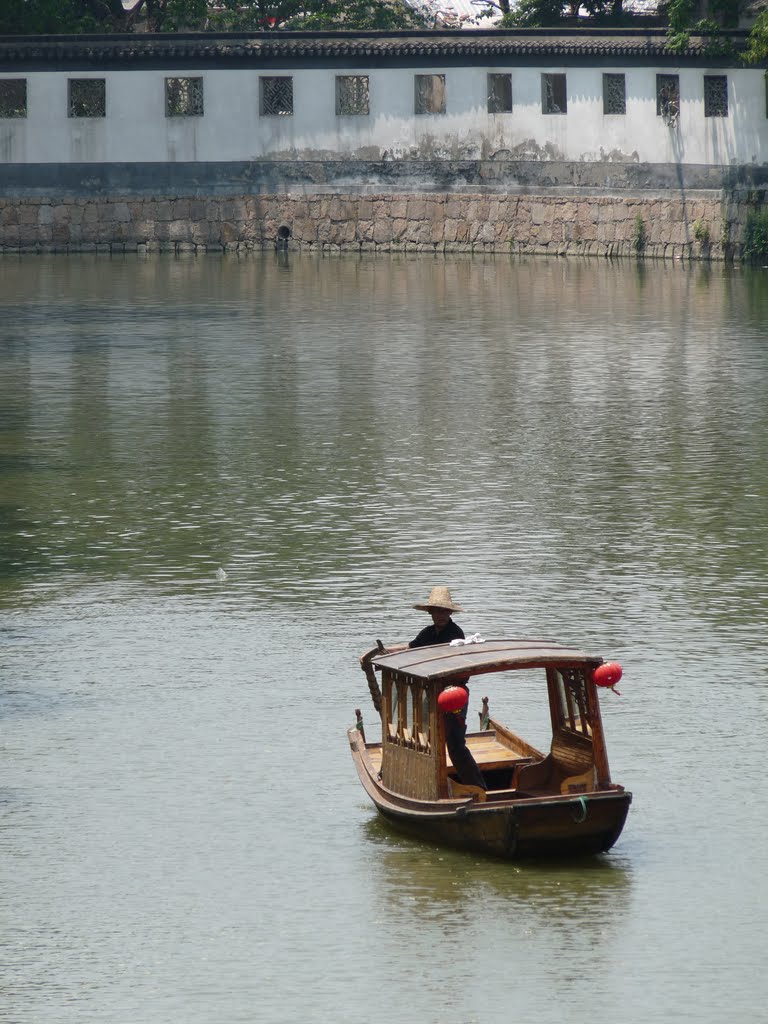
{"x": 514, "y": 742}
{"x": 486, "y": 750}
{"x": 508, "y": 823}
{"x": 489, "y": 753}
{"x": 443, "y": 661}
{"x": 485, "y": 744}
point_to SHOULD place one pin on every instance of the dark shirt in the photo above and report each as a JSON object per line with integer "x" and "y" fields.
{"x": 429, "y": 635}
{"x": 456, "y": 723}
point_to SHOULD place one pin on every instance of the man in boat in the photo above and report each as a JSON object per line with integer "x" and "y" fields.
{"x": 440, "y": 605}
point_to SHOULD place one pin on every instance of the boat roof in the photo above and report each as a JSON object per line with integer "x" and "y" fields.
{"x": 442, "y": 661}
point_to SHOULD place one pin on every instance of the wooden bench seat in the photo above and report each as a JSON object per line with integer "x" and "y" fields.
{"x": 569, "y": 767}
{"x": 501, "y": 794}
{"x": 490, "y": 754}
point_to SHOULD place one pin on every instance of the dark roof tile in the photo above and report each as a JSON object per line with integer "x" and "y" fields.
{"x": 220, "y": 50}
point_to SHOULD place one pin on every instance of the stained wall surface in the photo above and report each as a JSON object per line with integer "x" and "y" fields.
{"x": 135, "y": 127}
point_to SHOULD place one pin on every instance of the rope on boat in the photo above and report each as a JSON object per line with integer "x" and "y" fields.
{"x": 582, "y": 802}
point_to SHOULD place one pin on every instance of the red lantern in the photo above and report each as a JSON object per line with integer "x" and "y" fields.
{"x": 607, "y": 675}
{"x": 452, "y": 698}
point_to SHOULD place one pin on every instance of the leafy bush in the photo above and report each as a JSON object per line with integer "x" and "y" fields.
{"x": 639, "y": 235}
{"x": 33, "y": 17}
{"x": 701, "y": 231}
{"x": 755, "y": 249}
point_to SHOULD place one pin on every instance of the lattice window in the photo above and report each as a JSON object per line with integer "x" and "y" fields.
{"x": 276, "y": 96}
{"x": 13, "y": 97}
{"x": 87, "y": 97}
{"x": 351, "y": 94}
{"x": 184, "y": 97}
{"x": 391, "y": 710}
{"x": 554, "y": 94}
{"x": 715, "y": 96}
{"x": 430, "y": 94}
{"x": 406, "y": 707}
{"x": 408, "y": 735}
{"x": 614, "y": 94}
{"x": 576, "y": 709}
{"x": 499, "y": 94}
{"x": 423, "y": 732}
{"x": 668, "y": 98}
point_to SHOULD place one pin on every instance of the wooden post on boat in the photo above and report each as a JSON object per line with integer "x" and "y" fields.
{"x": 370, "y": 675}
{"x": 359, "y": 723}
{"x": 485, "y": 716}
{"x": 598, "y": 740}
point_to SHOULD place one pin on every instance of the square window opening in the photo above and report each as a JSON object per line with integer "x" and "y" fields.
{"x": 668, "y": 98}
{"x": 352, "y": 95}
{"x": 87, "y": 97}
{"x": 499, "y": 94}
{"x": 614, "y": 94}
{"x": 184, "y": 97}
{"x": 554, "y": 94}
{"x": 430, "y": 94}
{"x": 276, "y": 96}
{"x": 13, "y": 97}
{"x": 715, "y": 96}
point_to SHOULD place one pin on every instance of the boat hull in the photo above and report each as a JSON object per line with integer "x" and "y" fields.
{"x": 522, "y": 829}
{"x": 516, "y": 827}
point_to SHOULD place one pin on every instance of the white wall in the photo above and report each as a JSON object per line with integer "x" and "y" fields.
{"x": 137, "y": 130}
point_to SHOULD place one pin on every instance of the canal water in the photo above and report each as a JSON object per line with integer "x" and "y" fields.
{"x": 221, "y": 480}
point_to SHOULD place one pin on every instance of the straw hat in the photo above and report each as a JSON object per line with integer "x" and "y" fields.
{"x": 439, "y": 597}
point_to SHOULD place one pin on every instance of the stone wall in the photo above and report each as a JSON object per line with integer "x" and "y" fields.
{"x": 703, "y": 225}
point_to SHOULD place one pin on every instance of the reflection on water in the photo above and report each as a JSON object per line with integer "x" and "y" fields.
{"x": 577, "y": 448}
{"x": 438, "y": 880}
{"x": 532, "y": 922}
{"x": 185, "y": 416}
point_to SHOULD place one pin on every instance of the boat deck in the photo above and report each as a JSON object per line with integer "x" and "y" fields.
{"x": 487, "y": 751}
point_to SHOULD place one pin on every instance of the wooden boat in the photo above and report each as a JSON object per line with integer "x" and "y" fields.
{"x": 558, "y": 803}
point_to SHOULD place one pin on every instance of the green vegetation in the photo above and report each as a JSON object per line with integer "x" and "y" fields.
{"x": 755, "y": 249}
{"x": 758, "y": 39}
{"x": 709, "y": 18}
{"x": 701, "y": 231}
{"x": 639, "y": 235}
{"x": 683, "y": 19}
{"x": 547, "y": 13}
{"x": 36, "y": 17}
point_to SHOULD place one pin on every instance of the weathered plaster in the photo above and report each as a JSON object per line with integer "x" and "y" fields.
{"x": 500, "y": 175}
{"x": 616, "y": 156}
{"x": 231, "y": 129}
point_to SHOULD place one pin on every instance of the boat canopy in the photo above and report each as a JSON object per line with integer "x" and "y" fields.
{"x": 445, "y": 661}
